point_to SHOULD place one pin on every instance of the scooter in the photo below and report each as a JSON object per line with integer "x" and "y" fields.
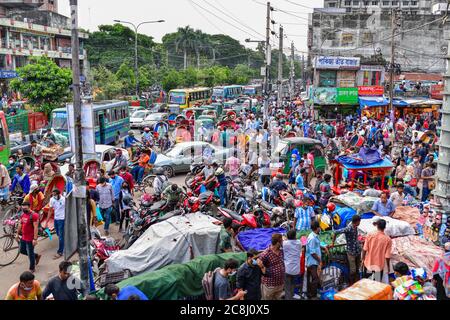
{"x": 102, "y": 248}
{"x": 256, "y": 219}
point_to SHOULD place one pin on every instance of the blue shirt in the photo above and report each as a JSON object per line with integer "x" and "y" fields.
{"x": 303, "y": 216}
{"x": 128, "y": 291}
{"x": 312, "y": 246}
{"x": 116, "y": 184}
{"x": 384, "y": 210}
{"x": 300, "y": 183}
{"x": 130, "y": 141}
{"x": 23, "y": 181}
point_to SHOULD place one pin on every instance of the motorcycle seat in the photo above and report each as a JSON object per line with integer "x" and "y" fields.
{"x": 232, "y": 214}
{"x": 266, "y": 205}
{"x": 158, "y": 205}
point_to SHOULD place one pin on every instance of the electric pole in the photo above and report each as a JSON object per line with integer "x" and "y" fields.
{"x": 268, "y": 62}
{"x": 292, "y": 74}
{"x": 280, "y": 68}
{"x": 391, "y": 69}
{"x": 79, "y": 178}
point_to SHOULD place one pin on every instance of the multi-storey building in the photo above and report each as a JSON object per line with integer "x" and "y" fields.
{"x": 362, "y": 6}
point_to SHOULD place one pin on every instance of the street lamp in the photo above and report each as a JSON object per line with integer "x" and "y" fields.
{"x": 136, "y": 47}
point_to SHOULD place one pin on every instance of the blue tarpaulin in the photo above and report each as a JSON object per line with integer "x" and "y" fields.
{"x": 366, "y": 156}
{"x": 382, "y": 164}
{"x": 258, "y": 239}
{"x": 373, "y": 102}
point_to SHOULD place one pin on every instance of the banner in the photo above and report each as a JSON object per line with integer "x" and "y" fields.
{"x": 325, "y": 96}
{"x": 337, "y": 63}
{"x": 87, "y": 130}
{"x": 437, "y": 92}
{"x": 347, "y": 96}
{"x": 370, "y": 90}
{"x": 8, "y": 74}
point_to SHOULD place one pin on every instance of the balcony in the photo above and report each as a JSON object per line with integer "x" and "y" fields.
{"x": 15, "y": 49}
{"x": 29, "y": 4}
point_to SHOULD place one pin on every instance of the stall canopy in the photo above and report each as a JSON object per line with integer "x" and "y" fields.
{"x": 385, "y": 164}
{"x": 415, "y": 102}
{"x": 373, "y": 102}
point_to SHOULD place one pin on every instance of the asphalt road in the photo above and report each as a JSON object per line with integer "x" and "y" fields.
{"x": 48, "y": 267}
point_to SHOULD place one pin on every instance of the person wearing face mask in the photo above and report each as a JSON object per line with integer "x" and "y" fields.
{"x": 27, "y": 234}
{"x": 222, "y": 288}
{"x": 60, "y": 287}
{"x": 273, "y": 260}
{"x": 249, "y": 276}
{"x": 58, "y": 208}
{"x": 26, "y": 289}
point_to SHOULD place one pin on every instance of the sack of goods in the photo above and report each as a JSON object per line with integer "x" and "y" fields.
{"x": 366, "y": 289}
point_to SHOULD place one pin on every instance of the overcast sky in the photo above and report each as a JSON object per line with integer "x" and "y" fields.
{"x": 247, "y": 14}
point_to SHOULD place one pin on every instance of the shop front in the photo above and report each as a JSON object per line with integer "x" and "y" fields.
{"x": 372, "y": 103}
{"x": 417, "y": 108}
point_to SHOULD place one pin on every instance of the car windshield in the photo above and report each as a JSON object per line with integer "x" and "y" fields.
{"x": 139, "y": 114}
{"x": 174, "y": 152}
{"x": 154, "y": 117}
{"x": 59, "y": 121}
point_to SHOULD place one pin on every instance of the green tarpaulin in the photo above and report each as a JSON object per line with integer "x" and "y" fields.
{"x": 178, "y": 281}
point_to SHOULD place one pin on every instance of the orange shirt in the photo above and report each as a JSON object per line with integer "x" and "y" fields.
{"x": 15, "y": 294}
{"x": 143, "y": 160}
{"x": 37, "y": 203}
{"x": 378, "y": 247}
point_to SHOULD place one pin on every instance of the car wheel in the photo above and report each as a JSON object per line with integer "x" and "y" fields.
{"x": 168, "y": 171}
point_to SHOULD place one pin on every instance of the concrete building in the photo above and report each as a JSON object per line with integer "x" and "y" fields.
{"x": 365, "y": 6}
{"x": 34, "y": 28}
{"x": 334, "y": 33}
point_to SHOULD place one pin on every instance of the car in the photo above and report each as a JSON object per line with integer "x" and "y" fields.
{"x": 180, "y": 157}
{"x": 20, "y": 145}
{"x": 105, "y": 154}
{"x": 152, "y": 119}
{"x": 158, "y": 107}
{"x": 137, "y": 118}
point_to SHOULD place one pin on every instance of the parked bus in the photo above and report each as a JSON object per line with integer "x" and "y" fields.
{"x": 187, "y": 98}
{"x": 112, "y": 121}
{"x": 4, "y": 139}
{"x": 227, "y": 93}
{"x": 253, "y": 90}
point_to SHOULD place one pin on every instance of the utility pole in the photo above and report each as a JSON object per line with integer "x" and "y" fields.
{"x": 280, "y": 68}
{"x": 292, "y": 74}
{"x": 79, "y": 178}
{"x": 267, "y": 64}
{"x": 391, "y": 69}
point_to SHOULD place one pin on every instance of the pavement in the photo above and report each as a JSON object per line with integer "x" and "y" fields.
{"x": 48, "y": 267}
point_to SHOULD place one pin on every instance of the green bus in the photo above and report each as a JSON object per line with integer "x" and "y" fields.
{"x": 112, "y": 121}
{"x": 4, "y": 140}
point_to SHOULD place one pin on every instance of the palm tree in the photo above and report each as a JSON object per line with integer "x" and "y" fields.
{"x": 186, "y": 40}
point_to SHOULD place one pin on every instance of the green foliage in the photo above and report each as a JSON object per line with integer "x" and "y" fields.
{"x": 171, "y": 80}
{"x": 43, "y": 83}
{"x": 106, "y": 85}
{"x": 190, "y": 77}
{"x": 127, "y": 77}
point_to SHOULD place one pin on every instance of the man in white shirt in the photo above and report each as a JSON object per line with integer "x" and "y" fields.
{"x": 58, "y": 208}
{"x": 292, "y": 249}
{"x": 5, "y": 182}
{"x": 398, "y": 196}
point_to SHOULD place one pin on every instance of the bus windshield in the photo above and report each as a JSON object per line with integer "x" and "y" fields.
{"x": 178, "y": 98}
{"x": 218, "y": 92}
{"x": 59, "y": 121}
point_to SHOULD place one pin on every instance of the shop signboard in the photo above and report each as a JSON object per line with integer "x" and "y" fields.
{"x": 337, "y": 63}
{"x": 325, "y": 96}
{"x": 437, "y": 92}
{"x": 347, "y": 96}
{"x": 370, "y": 91}
{"x": 8, "y": 74}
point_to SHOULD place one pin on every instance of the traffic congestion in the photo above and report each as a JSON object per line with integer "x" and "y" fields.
{"x": 268, "y": 204}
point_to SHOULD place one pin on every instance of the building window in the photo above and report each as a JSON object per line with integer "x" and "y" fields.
{"x": 332, "y": 5}
{"x": 414, "y": 3}
{"x": 374, "y": 3}
{"x": 366, "y": 3}
{"x": 347, "y": 3}
{"x": 327, "y": 78}
{"x": 395, "y": 3}
{"x": 405, "y": 3}
{"x": 356, "y": 2}
{"x": 347, "y": 39}
{"x": 348, "y": 9}
{"x": 386, "y": 3}
{"x": 367, "y": 38}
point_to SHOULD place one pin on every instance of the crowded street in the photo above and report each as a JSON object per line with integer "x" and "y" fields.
{"x": 173, "y": 167}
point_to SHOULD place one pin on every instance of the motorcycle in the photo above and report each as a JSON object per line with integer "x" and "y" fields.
{"x": 102, "y": 248}
{"x": 251, "y": 220}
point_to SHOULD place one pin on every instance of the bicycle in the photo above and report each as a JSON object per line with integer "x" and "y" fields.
{"x": 11, "y": 209}
{"x": 9, "y": 245}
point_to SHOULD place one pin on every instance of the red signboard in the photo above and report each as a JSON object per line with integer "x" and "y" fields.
{"x": 371, "y": 90}
{"x": 437, "y": 92}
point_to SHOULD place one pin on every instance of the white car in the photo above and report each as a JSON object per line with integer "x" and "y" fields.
{"x": 137, "y": 118}
{"x": 152, "y": 119}
{"x": 105, "y": 154}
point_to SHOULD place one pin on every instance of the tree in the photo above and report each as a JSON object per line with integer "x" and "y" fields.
{"x": 241, "y": 74}
{"x": 127, "y": 76}
{"x": 185, "y": 40}
{"x": 190, "y": 77}
{"x": 43, "y": 83}
{"x": 171, "y": 80}
{"x": 106, "y": 85}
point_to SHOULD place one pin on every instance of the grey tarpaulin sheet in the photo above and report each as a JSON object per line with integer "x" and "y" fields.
{"x": 169, "y": 242}
{"x": 355, "y": 201}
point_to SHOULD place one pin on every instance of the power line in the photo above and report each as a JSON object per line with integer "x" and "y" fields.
{"x": 206, "y": 18}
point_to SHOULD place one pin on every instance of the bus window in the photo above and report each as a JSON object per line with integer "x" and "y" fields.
{"x": 115, "y": 115}
{"x": 124, "y": 113}
{"x": 59, "y": 121}
{"x": 97, "y": 122}
{"x": 108, "y": 116}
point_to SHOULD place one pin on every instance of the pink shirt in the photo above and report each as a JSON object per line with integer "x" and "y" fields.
{"x": 311, "y": 158}
{"x": 233, "y": 164}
